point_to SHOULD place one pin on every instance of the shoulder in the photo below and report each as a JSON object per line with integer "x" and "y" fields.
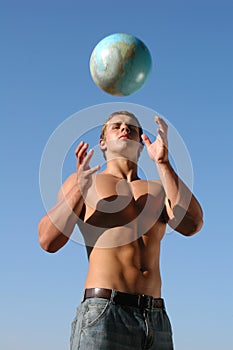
{"x": 156, "y": 184}
{"x": 152, "y": 187}
{"x": 149, "y": 183}
{"x": 156, "y": 187}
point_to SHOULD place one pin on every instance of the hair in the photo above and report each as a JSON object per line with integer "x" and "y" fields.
{"x": 102, "y": 134}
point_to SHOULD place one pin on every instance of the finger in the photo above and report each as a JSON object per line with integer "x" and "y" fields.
{"x": 162, "y": 124}
{"x": 146, "y": 140}
{"x": 87, "y": 158}
{"x": 81, "y": 152}
{"x": 79, "y": 147}
{"x": 93, "y": 170}
{"x": 162, "y": 135}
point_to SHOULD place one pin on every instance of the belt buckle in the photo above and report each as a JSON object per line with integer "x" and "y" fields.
{"x": 144, "y": 301}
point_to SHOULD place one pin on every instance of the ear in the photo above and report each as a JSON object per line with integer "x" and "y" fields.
{"x": 102, "y": 144}
{"x": 141, "y": 147}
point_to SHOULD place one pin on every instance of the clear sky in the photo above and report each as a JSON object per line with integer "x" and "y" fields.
{"x": 44, "y": 77}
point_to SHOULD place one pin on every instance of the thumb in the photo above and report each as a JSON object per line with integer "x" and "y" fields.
{"x": 146, "y": 140}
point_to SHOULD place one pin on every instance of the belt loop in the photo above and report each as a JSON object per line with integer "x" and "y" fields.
{"x": 113, "y": 294}
{"x": 83, "y": 296}
{"x": 139, "y": 300}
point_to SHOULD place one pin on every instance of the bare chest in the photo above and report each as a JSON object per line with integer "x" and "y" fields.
{"x": 112, "y": 202}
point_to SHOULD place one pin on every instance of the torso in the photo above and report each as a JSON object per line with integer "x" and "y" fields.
{"x": 122, "y": 226}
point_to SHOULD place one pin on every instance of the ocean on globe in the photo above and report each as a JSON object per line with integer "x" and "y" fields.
{"x": 120, "y": 64}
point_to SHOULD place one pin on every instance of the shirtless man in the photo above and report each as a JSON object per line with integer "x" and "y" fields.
{"x": 123, "y": 220}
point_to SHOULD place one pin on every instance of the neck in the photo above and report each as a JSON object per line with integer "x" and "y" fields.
{"x": 122, "y": 168}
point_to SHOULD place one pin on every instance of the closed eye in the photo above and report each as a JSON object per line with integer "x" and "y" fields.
{"x": 115, "y": 126}
{"x": 133, "y": 128}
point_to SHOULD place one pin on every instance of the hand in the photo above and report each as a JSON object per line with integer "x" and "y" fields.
{"x": 84, "y": 172}
{"x": 158, "y": 150}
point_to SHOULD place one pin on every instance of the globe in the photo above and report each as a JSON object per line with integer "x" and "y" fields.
{"x": 120, "y": 64}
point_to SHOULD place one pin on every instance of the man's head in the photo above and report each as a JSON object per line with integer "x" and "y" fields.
{"x": 122, "y": 126}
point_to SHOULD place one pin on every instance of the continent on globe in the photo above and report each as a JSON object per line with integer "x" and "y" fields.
{"x": 120, "y": 64}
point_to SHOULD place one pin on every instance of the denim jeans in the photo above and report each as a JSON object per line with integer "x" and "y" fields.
{"x": 102, "y": 325}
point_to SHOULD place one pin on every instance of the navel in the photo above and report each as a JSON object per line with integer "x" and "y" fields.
{"x": 144, "y": 271}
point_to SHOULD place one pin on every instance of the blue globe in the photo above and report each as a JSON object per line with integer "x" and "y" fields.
{"x": 120, "y": 64}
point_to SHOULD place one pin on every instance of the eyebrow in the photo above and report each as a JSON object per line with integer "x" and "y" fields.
{"x": 120, "y": 122}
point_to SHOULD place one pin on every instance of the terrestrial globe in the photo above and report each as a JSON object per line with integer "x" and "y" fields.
{"x": 120, "y": 64}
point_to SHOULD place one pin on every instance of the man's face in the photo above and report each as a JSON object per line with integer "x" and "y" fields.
{"x": 122, "y": 127}
{"x": 122, "y": 136}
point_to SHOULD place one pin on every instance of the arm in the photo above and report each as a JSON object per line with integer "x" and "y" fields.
{"x": 183, "y": 210}
{"x": 58, "y": 224}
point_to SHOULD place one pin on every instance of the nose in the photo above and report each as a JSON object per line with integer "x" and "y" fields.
{"x": 125, "y": 128}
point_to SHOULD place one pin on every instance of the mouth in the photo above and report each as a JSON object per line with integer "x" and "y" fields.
{"x": 126, "y": 137}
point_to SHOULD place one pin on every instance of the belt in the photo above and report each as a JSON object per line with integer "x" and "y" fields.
{"x": 137, "y": 300}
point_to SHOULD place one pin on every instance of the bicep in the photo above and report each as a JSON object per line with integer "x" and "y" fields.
{"x": 168, "y": 210}
{"x": 66, "y": 187}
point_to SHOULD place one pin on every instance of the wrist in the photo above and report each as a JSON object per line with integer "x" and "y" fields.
{"x": 164, "y": 168}
{"x": 163, "y": 164}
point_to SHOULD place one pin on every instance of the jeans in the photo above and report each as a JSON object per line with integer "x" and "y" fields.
{"x": 102, "y": 325}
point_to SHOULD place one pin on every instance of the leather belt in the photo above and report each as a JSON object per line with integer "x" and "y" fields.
{"x": 136, "y": 300}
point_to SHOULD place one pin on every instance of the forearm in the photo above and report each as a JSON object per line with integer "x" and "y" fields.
{"x": 58, "y": 224}
{"x": 184, "y": 211}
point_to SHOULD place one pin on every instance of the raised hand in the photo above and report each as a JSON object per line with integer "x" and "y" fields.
{"x": 84, "y": 172}
{"x": 158, "y": 150}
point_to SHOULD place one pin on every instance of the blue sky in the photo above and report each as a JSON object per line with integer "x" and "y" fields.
{"x": 44, "y": 70}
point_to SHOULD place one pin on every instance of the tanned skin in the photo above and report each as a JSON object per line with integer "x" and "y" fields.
{"x": 122, "y": 218}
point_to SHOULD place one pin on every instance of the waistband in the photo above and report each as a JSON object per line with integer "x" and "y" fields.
{"x": 141, "y": 301}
